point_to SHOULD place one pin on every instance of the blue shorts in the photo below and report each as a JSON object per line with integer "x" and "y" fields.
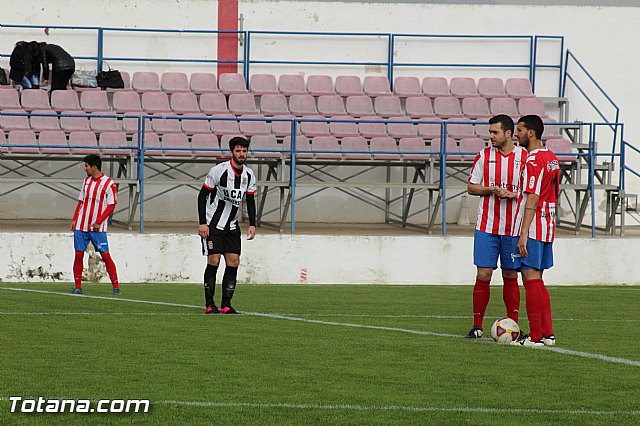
{"x": 488, "y": 247}
{"x": 540, "y": 255}
{"x": 81, "y": 240}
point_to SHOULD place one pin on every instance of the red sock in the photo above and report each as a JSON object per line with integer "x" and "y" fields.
{"x": 77, "y": 268}
{"x": 547, "y": 326}
{"x": 533, "y": 293}
{"x": 481, "y": 294}
{"x": 111, "y": 268}
{"x": 511, "y": 297}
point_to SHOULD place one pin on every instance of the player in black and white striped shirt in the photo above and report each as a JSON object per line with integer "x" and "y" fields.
{"x": 218, "y": 203}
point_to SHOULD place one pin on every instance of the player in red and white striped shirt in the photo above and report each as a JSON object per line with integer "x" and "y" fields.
{"x": 495, "y": 177}
{"x": 89, "y": 224}
{"x": 535, "y": 228}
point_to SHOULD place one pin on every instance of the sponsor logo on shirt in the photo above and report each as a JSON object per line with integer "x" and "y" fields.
{"x": 553, "y": 165}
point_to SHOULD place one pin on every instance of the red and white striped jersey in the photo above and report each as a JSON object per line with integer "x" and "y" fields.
{"x": 541, "y": 176}
{"x": 493, "y": 168}
{"x": 96, "y": 195}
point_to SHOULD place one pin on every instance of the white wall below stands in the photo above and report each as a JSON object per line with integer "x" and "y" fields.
{"x": 276, "y": 259}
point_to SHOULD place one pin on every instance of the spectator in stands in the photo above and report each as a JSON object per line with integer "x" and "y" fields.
{"x": 25, "y": 66}
{"x": 218, "y": 203}
{"x": 62, "y": 66}
{"x": 495, "y": 178}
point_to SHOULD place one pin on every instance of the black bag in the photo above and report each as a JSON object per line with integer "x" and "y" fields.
{"x": 3, "y": 78}
{"x": 110, "y": 79}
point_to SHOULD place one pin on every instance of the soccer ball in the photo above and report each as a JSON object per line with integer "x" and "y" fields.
{"x": 505, "y": 330}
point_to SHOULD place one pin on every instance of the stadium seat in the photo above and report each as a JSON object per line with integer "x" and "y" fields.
{"x": 155, "y": 103}
{"x": 3, "y": 140}
{"x": 419, "y": 107}
{"x": 40, "y": 123}
{"x": 413, "y": 149}
{"x": 230, "y": 83}
{"x": 435, "y": 87}
{"x": 291, "y": 84}
{"x": 273, "y": 104}
{"x": 359, "y": 106}
{"x": 326, "y": 143}
{"x": 282, "y": 128}
{"x": 343, "y": 129}
{"x": 126, "y": 101}
{"x": 562, "y": 148}
{"x": 376, "y": 85}
{"x": 163, "y": 125}
{"x": 331, "y": 105}
{"x": 459, "y": 130}
{"x": 471, "y": 145}
{"x": 145, "y": 81}
{"x": 552, "y": 130}
{"x": 476, "y": 108}
{"x": 463, "y": 87}
{"x": 490, "y": 88}
{"x": 349, "y": 85}
{"x": 126, "y": 79}
{"x": 213, "y": 103}
{"x": 451, "y": 147}
{"x": 83, "y": 142}
{"x": 504, "y": 106}
{"x": 430, "y": 130}
{"x": 313, "y": 129}
{"x": 103, "y": 124}
{"x": 184, "y": 103}
{"x": 130, "y": 122}
{"x": 242, "y": 103}
{"x": 447, "y": 107}
{"x": 405, "y": 87}
{"x": 192, "y": 127}
{"x": 65, "y": 100}
{"x": 14, "y": 122}
{"x": 53, "y": 142}
{"x": 225, "y": 127}
{"x": 174, "y": 82}
{"x": 369, "y": 128}
{"x": 318, "y": 85}
{"x": 303, "y": 146}
{"x": 94, "y": 101}
{"x": 481, "y": 130}
{"x": 262, "y": 84}
{"x": 203, "y": 82}
{"x": 300, "y": 105}
{"x": 262, "y": 146}
{"x": 388, "y": 106}
{"x": 172, "y": 141}
{"x": 108, "y": 142}
{"x": 23, "y": 137}
{"x": 9, "y": 99}
{"x": 34, "y": 99}
{"x": 527, "y": 106}
{"x": 386, "y": 144}
{"x": 358, "y": 144}
{"x": 402, "y": 130}
{"x": 518, "y": 88}
{"x": 74, "y": 121}
{"x": 253, "y": 127}
{"x": 203, "y": 142}
{"x": 152, "y": 145}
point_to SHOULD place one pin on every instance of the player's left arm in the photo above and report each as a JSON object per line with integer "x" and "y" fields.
{"x": 251, "y": 211}
{"x": 529, "y": 213}
{"x": 111, "y": 206}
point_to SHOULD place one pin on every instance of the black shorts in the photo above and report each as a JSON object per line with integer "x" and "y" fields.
{"x": 223, "y": 242}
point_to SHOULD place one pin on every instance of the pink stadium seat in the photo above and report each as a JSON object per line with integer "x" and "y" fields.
{"x": 552, "y": 129}
{"x": 83, "y": 142}
{"x": 402, "y": 130}
{"x": 326, "y": 143}
{"x": 130, "y": 123}
{"x": 358, "y": 144}
{"x": 504, "y": 106}
{"x": 262, "y": 146}
{"x": 472, "y": 145}
{"x": 331, "y": 105}
{"x": 203, "y": 82}
{"x": 40, "y": 123}
{"x": 388, "y": 106}
{"x": 491, "y": 88}
{"x": 213, "y": 103}
{"x": 413, "y": 149}
{"x": 518, "y": 88}
{"x": 463, "y": 87}
{"x": 174, "y": 82}
{"x": 203, "y": 142}
{"x": 430, "y": 130}
{"x": 481, "y": 130}
{"x": 184, "y": 103}
{"x": 318, "y": 85}
{"x": 224, "y": 127}
{"x": 419, "y": 107}
{"x": 3, "y": 140}
{"x": 300, "y": 105}
{"x": 108, "y": 142}
{"x": 192, "y": 127}
{"x": 386, "y": 144}
{"x": 155, "y": 103}
{"x": 376, "y": 85}
{"x": 145, "y": 81}
{"x": 291, "y": 84}
{"x": 126, "y": 101}
{"x": 451, "y": 147}
{"x": 282, "y": 128}
{"x": 172, "y": 141}
{"x": 262, "y": 84}
{"x": 314, "y": 128}
{"x": 126, "y": 79}
{"x": 435, "y": 87}
{"x": 341, "y": 129}
{"x": 230, "y": 83}
{"x": 405, "y": 87}
{"x": 360, "y": 106}
{"x": 102, "y": 124}
{"x": 459, "y": 131}
{"x": 94, "y": 101}
{"x": 152, "y": 145}
{"x": 9, "y": 99}
{"x": 370, "y": 129}
{"x": 23, "y": 137}
{"x": 14, "y": 122}
{"x": 53, "y": 142}
{"x": 242, "y": 103}
{"x": 527, "y": 106}
{"x": 273, "y": 104}
{"x": 65, "y": 100}
{"x": 162, "y": 126}
{"x": 562, "y": 148}
{"x": 476, "y": 108}
{"x": 253, "y": 127}
{"x": 348, "y": 85}
{"x": 34, "y": 99}
{"x": 447, "y": 107}
{"x": 303, "y": 146}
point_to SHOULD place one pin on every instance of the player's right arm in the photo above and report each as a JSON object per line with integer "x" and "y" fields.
{"x": 474, "y": 184}
{"x": 203, "y": 228}
{"x": 75, "y": 215}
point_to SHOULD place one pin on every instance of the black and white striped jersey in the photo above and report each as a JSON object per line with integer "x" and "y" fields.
{"x": 227, "y": 191}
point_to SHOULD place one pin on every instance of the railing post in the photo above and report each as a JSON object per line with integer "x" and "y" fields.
{"x": 141, "y": 126}
{"x": 443, "y": 174}
{"x": 292, "y": 175}
{"x": 390, "y": 59}
{"x": 591, "y": 184}
{"x": 100, "y": 48}
{"x": 247, "y": 58}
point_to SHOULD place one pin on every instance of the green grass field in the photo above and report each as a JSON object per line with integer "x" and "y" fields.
{"x": 304, "y": 355}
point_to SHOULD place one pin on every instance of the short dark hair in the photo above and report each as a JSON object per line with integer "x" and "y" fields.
{"x": 238, "y": 140}
{"x": 505, "y": 121}
{"x": 533, "y": 122}
{"x": 93, "y": 160}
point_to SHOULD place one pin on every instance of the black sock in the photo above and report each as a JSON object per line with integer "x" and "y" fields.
{"x": 209, "y": 283}
{"x": 228, "y": 285}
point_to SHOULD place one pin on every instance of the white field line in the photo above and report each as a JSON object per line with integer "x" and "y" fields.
{"x": 352, "y": 407}
{"x": 605, "y": 358}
